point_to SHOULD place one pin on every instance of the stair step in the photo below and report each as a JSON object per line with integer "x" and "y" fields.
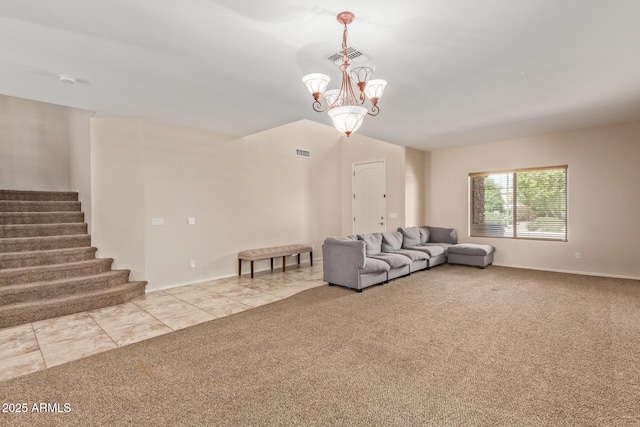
{"x": 55, "y": 256}
{"x": 24, "y": 292}
{"x": 35, "y": 230}
{"x": 20, "y": 313}
{"x": 23, "y": 244}
{"x": 48, "y": 267}
{"x": 12, "y": 218}
{"x": 38, "y": 206}
{"x": 38, "y": 195}
{"x": 16, "y": 276}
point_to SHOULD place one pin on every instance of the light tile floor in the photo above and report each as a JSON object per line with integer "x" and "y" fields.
{"x": 41, "y": 345}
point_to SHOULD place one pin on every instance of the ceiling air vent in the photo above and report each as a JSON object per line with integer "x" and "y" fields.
{"x": 303, "y": 153}
{"x": 354, "y": 54}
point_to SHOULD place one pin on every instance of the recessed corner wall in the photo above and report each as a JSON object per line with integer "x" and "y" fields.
{"x": 45, "y": 147}
{"x": 414, "y": 187}
{"x": 34, "y": 145}
{"x": 603, "y": 197}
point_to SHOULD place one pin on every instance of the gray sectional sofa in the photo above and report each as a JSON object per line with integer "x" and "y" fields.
{"x": 368, "y": 259}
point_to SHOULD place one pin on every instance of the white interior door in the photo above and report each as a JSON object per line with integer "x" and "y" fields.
{"x": 369, "y": 197}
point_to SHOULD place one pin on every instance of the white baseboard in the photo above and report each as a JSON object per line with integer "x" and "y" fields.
{"x": 209, "y": 279}
{"x": 556, "y": 270}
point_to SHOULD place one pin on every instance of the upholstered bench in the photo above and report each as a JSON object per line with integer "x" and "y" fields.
{"x": 273, "y": 252}
{"x": 470, "y": 254}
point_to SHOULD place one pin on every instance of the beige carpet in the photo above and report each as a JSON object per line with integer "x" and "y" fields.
{"x": 454, "y": 346}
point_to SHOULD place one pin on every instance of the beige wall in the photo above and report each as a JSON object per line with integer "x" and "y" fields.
{"x": 79, "y": 157}
{"x": 427, "y": 188}
{"x": 244, "y": 193}
{"x": 247, "y": 192}
{"x": 603, "y": 197}
{"x": 414, "y": 187}
{"x": 34, "y": 145}
{"x": 45, "y": 147}
{"x": 253, "y": 191}
{"x": 118, "y": 193}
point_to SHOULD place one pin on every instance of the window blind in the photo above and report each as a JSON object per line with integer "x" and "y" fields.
{"x": 519, "y": 204}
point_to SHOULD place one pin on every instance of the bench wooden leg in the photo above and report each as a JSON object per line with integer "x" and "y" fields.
{"x": 252, "y": 269}
{"x": 311, "y": 258}
{"x": 239, "y": 267}
{"x": 271, "y": 264}
{"x": 298, "y": 259}
{"x": 284, "y": 263}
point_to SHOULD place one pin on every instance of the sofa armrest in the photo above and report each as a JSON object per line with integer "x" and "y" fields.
{"x": 342, "y": 252}
{"x": 342, "y": 259}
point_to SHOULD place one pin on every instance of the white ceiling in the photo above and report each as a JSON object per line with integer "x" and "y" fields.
{"x": 459, "y": 71}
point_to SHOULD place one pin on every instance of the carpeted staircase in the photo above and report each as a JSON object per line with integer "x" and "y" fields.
{"x": 48, "y": 267}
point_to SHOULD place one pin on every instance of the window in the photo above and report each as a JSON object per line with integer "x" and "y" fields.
{"x": 520, "y": 204}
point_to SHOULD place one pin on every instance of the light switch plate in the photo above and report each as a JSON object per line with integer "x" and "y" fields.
{"x": 191, "y": 220}
{"x": 157, "y": 221}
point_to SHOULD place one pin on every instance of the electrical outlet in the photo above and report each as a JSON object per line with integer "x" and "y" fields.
{"x": 193, "y": 264}
{"x": 577, "y": 255}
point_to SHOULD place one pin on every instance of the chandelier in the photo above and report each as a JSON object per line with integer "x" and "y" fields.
{"x": 343, "y": 106}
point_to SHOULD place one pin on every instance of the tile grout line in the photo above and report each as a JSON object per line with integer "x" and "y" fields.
{"x": 39, "y": 348}
{"x": 215, "y": 293}
{"x": 119, "y": 329}
{"x": 142, "y": 308}
{"x": 102, "y": 329}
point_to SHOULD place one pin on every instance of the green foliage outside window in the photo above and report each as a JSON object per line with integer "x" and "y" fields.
{"x": 543, "y": 192}
{"x": 492, "y": 197}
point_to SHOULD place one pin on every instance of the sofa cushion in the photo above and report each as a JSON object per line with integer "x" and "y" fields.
{"x": 471, "y": 249}
{"x": 444, "y": 246}
{"x": 411, "y": 236}
{"x": 394, "y": 260}
{"x": 442, "y": 235}
{"x": 413, "y": 255}
{"x": 391, "y": 241}
{"x": 373, "y": 242}
{"x": 424, "y": 234}
{"x": 373, "y": 265}
{"x": 432, "y": 250}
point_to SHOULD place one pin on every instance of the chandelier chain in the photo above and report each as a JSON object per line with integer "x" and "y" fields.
{"x": 345, "y": 57}
{"x": 348, "y": 97}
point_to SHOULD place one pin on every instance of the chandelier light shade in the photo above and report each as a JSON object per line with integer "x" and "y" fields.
{"x": 348, "y": 118}
{"x": 333, "y": 96}
{"x": 316, "y": 83}
{"x": 360, "y": 74}
{"x": 343, "y": 105}
{"x": 374, "y": 90}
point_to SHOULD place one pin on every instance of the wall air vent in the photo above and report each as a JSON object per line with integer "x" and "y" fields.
{"x": 303, "y": 153}
{"x": 354, "y": 54}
